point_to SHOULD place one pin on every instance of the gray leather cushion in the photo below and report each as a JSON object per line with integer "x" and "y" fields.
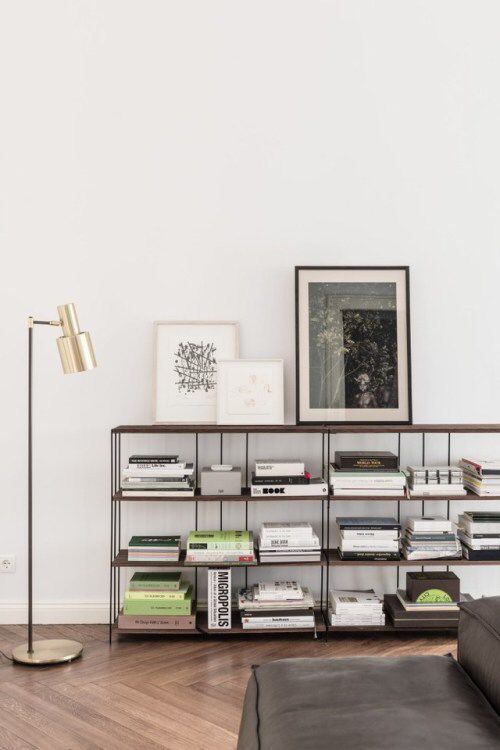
{"x": 479, "y": 645}
{"x": 409, "y": 703}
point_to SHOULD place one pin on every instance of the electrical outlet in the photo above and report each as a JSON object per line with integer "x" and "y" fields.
{"x": 7, "y": 563}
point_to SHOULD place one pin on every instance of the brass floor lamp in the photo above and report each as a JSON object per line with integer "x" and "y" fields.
{"x": 77, "y": 355}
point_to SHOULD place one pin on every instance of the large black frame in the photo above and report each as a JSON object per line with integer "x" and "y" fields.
{"x": 298, "y": 269}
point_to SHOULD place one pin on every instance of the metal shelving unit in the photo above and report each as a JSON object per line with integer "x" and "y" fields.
{"x": 330, "y": 560}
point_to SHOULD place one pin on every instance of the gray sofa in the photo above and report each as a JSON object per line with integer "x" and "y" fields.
{"x": 408, "y": 703}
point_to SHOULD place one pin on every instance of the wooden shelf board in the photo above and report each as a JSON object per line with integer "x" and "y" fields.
{"x": 306, "y": 428}
{"x": 387, "y": 629}
{"x": 121, "y": 561}
{"x": 335, "y": 560}
{"x": 244, "y": 497}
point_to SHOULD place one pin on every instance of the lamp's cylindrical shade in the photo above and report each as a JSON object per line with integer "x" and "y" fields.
{"x": 75, "y": 347}
{"x": 77, "y": 353}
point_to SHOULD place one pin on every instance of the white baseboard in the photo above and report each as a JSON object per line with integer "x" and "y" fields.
{"x": 57, "y": 613}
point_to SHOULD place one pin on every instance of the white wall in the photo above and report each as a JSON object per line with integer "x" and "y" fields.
{"x": 176, "y": 160}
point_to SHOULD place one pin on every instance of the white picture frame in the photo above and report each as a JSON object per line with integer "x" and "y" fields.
{"x": 186, "y": 355}
{"x": 250, "y": 391}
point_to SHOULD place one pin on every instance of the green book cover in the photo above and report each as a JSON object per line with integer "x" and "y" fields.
{"x": 156, "y": 581}
{"x": 155, "y": 607}
{"x": 243, "y": 538}
{"x": 181, "y": 593}
{"x": 155, "y": 541}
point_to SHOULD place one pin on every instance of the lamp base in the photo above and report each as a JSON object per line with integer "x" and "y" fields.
{"x": 54, "y": 651}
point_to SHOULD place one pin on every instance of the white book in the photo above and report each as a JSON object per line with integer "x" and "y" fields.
{"x": 158, "y": 493}
{"x": 369, "y": 534}
{"x": 173, "y": 471}
{"x": 431, "y": 555}
{"x": 295, "y": 558}
{"x": 283, "y": 467}
{"x": 317, "y": 486}
{"x": 475, "y": 543}
{"x": 271, "y": 551}
{"x": 219, "y": 598}
{"x": 369, "y": 492}
{"x": 269, "y": 591}
{"x": 278, "y": 625}
{"x": 471, "y": 527}
{"x": 429, "y": 523}
{"x": 367, "y": 479}
{"x": 444, "y": 490}
{"x": 379, "y": 545}
{"x": 312, "y": 541}
{"x": 342, "y": 599}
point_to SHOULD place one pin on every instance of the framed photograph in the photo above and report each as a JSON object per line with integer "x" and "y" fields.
{"x": 250, "y": 391}
{"x": 353, "y": 344}
{"x": 185, "y": 372}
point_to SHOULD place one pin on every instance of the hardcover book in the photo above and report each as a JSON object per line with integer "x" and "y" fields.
{"x": 366, "y": 461}
{"x": 219, "y": 599}
{"x": 155, "y": 581}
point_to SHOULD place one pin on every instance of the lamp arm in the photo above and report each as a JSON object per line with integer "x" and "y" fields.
{"x": 32, "y": 322}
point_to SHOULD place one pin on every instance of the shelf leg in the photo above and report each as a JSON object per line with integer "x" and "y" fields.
{"x": 221, "y": 461}
{"x": 196, "y": 517}
{"x": 327, "y": 624}
{"x": 448, "y": 501}
{"x": 398, "y": 503}
{"x": 111, "y": 545}
{"x": 246, "y": 501}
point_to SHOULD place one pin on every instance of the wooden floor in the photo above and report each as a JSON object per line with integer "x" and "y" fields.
{"x": 157, "y": 693}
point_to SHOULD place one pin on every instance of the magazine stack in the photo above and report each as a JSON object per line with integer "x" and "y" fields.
{"x": 362, "y": 473}
{"x": 481, "y": 477}
{"x": 155, "y": 475}
{"x": 154, "y": 549}
{"x": 285, "y": 478}
{"x": 352, "y": 608}
{"x": 280, "y": 604}
{"x": 288, "y": 542}
{"x": 430, "y": 538}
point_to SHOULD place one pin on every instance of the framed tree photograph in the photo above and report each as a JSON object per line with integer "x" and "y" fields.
{"x": 185, "y": 372}
{"x": 353, "y": 344}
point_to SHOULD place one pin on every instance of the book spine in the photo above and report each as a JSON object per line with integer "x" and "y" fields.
{"x": 154, "y": 622}
{"x": 218, "y": 546}
{"x": 290, "y": 490}
{"x": 153, "y": 460}
{"x": 219, "y": 599}
{"x": 155, "y": 596}
{"x": 219, "y": 558}
{"x": 281, "y": 479}
{"x": 168, "y": 609}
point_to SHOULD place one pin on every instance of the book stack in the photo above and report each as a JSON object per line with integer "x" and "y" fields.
{"x": 281, "y": 605}
{"x": 430, "y": 538}
{"x": 220, "y": 547}
{"x": 445, "y": 481}
{"x": 481, "y": 477}
{"x": 155, "y": 475}
{"x": 351, "y": 608}
{"x": 479, "y": 532}
{"x": 154, "y": 549}
{"x": 361, "y": 473}
{"x": 431, "y": 600}
{"x": 157, "y": 601}
{"x": 286, "y": 478}
{"x": 367, "y": 538}
{"x": 288, "y": 542}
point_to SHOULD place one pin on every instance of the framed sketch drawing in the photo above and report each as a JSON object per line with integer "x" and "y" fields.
{"x": 353, "y": 345}
{"x": 186, "y": 357}
{"x": 250, "y": 391}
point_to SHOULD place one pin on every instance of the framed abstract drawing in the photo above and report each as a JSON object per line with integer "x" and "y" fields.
{"x": 250, "y": 391}
{"x": 185, "y": 372}
{"x": 353, "y": 344}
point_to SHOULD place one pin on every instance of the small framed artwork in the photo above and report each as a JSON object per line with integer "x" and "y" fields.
{"x": 353, "y": 345}
{"x": 185, "y": 373}
{"x": 250, "y": 391}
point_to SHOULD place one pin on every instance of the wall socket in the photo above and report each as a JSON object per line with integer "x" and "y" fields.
{"x": 7, "y": 563}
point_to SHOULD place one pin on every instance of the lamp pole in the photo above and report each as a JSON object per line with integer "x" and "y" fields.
{"x": 77, "y": 355}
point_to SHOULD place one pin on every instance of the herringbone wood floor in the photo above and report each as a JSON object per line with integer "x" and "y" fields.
{"x": 181, "y": 694}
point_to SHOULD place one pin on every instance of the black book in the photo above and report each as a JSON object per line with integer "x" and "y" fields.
{"x": 403, "y": 619}
{"x": 480, "y": 554}
{"x": 153, "y": 459}
{"x": 280, "y": 480}
{"x": 367, "y": 555}
{"x": 366, "y": 461}
{"x": 361, "y": 523}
